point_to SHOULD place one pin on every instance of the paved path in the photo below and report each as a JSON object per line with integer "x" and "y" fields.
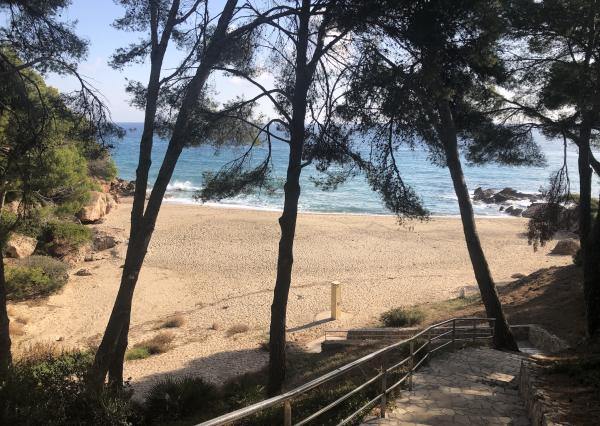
{"x": 473, "y": 386}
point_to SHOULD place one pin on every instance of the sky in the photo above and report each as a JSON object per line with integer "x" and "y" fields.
{"x": 94, "y": 24}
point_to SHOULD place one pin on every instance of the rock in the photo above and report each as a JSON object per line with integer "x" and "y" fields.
{"x": 509, "y": 210}
{"x": 499, "y": 199}
{"x": 20, "y": 246}
{"x": 83, "y": 272}
{"x": 534, "y": 210}
{"x": 481, "y": 194}
{"x": 98, "y": 207}
{"x": 517, "y": 276}
{"x": 566, "y": 248}
{"x": 516, "y": 212}
{"x": 501, "y": 208}
{"x": 107, "y": 238}
{"x": 12, "y": 207}
{"x": 513, "y": 194}
{"x": 123, "y": 188}
{"x": 74, "y": 256}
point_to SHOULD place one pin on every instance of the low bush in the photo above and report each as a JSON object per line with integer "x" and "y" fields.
{"x": 401, "y": 317}
{"x": 177, "y": 398}
{"x": 237, "y": 329}
{"x": 61, "y": 237}
{"x": 157, "y": 345}
{"x": 102, "y": 168}
{"x": 35, "y": 276}
{"x": 174, "y": 321}
{"x": 50, "y": 389}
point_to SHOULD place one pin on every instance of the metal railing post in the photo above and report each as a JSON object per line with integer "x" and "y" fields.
{"x": 383, "y": 403}
{"x": 474, "y": 328}
{"x": 287, "y": 413}
{"x": 411, "y": 364}
{"x": 453, "y": 335}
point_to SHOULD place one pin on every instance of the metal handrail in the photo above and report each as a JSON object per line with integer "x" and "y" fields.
{"x": 287, "y": 397}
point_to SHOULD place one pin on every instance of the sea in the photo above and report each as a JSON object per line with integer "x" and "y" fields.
{"x": 430, "y": 182}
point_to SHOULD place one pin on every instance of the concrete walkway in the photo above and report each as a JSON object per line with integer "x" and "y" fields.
{"x": 473, "y": 386}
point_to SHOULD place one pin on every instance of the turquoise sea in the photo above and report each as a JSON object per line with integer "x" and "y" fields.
{"x": 432, "y": 183}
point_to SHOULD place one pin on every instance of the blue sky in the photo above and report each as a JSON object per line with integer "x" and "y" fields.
{"x": 94, "y": 24}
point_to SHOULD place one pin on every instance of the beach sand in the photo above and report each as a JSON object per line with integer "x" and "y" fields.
{"x": 216, "y": 267}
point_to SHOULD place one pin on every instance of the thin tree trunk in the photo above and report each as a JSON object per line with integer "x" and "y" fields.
{"x": 503, "y": 338}
{"x": 287, "y": 221}
{"x": 585, "y": 182}
{"x": 114, "y": 342}
{"x": 591, "y": 280}
{"x": 5, "y": 343}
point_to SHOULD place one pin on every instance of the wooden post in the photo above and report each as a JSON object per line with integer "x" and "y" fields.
{"x": 411, "y": 364}
{"x": 453, "y": 335}
{"x": 336, "y": 300}
{"x": 287, "y": 413}
{"x": 383, "y": 402}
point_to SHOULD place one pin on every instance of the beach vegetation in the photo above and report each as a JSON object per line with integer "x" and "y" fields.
{"x": 402, "y": 317}
{"x": 237, "y": 329}
{"x": 60, "y": 237}
{"x": 103, "y": 167}
{"x": 49, "y": 388}
{"x": 173, "y": 321}
{"x": 34, "y": 277}
{"x": 158, "y": 344}
{"x": 173, "y": 399}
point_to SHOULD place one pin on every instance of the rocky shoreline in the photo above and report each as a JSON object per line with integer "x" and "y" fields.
{"x": 507, "y": 197}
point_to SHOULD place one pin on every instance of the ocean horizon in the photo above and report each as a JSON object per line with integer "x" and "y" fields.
{"x": 430, "y": 182}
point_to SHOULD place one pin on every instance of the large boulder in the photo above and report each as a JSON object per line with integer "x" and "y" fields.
{"x": 568, "y": 247}
{"x": 98, "y": 207}
{"x": 512, "y": 194}
{"x": 107, "y": 238}
{"x": 20, "y": 246}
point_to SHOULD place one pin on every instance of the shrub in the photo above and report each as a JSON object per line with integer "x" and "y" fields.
{"x": 103, "y": 168}
{"x": 237, "y": 329}
{"x": 400, "y": 317}
{"x": 173, "y": 322}
{"x": 35, "y": 276}
{"x": 157, "y": 345}
{"x": 59, "y": 237}
{"x": 172, "y": 399}
{"x": 51, "y": 390}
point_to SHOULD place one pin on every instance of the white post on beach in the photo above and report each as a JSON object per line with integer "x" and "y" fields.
{"x": 336, "y": 300}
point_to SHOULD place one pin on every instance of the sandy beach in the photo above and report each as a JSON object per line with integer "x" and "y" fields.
{"x": 216, "y": 267}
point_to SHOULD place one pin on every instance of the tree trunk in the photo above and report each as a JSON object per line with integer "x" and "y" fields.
{"x": 287, "y": 221}
{"x": 5, "y": 355}
{"x": 503, "y": 338}
{"x": 585, "y": 183}
{"x": 591, "y": 280}
{"x": 114, "y": 342}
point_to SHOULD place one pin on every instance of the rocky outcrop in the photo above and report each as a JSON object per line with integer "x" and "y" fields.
{"x": 20, "y": 246}
{"x": 100, "y": 205}
{"x": 122, "y": 188}
{"x": 504, "y": 198}
{"x": 568, "y": 247}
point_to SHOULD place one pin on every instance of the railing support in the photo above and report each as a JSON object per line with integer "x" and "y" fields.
{"x": 453, "y": 335}
{"x": 411, "y": 364}
{"x": 287, "y": 413}
{"x": 383, "y": 402}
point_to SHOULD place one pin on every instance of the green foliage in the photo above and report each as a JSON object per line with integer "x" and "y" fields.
{"x": 400, "y": 317}
{"x": 58, "y": 238}
{"x": 137, "y": 353}
{"x": 35, "y": 276}
{"x": 103, "y": 168}
{"x": 173, "y": 399}
{"x": 51, "y": 390}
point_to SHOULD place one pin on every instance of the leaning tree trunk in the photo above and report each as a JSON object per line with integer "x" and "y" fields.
{"x": 503, "y": 338}
{"x": 287, "y": 221}
{"x": 5, "y": 355}
{"x": 114, "y": 342}
{"x": 591, "y": 280}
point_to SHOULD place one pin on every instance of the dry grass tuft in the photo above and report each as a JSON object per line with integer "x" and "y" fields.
{"x": 159, "y": 344}
{"x": 237, "y": 329}
{"x": 37, "y": 351}
{"x": 173, "y": 321}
